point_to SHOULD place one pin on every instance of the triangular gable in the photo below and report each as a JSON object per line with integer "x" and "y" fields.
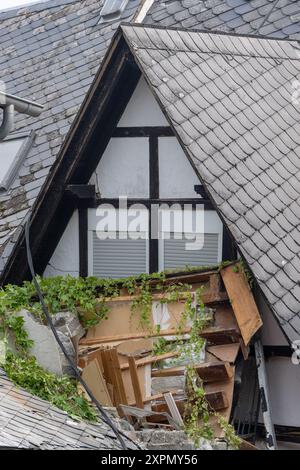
{"x": 233, "y": 105}
{"x": 186, "y": 72}
{"x": 123, "y": 168}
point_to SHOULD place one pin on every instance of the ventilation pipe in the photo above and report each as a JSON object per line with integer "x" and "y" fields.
{"x": 8, "y": 122}
{"x": 10, "y": 104}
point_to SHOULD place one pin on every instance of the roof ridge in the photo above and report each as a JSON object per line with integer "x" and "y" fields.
{"x": 206, "y": 31}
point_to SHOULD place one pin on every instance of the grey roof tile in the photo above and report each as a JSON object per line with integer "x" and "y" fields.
{"x": 28, "y": 422}
{"x": 252, "y": 171}
{"x": 50, "y": 53}
{"x": 280, "y": 19}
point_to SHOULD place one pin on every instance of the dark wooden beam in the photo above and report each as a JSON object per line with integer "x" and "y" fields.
{"x": 153, "y": 168}
{"x": 78, "y": 158}
{"x": 83, "y": 241}
{"x": 153, "y": 242}
{"x": 153, "y": 131}
{"x": 81, "y": 191}
{"x": 229, "y": 252}
{"x": 199, "y": 189}
{"x": 148, "y": 202}
{"x": 153, "y": 211}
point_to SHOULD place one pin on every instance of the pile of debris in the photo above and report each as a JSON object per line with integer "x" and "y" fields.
{"x": 122, "y": 364}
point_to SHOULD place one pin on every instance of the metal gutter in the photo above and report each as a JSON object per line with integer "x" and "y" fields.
{"x": 10, "y": 104}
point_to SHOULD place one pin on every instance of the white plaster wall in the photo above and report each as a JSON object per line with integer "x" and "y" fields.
{"x": 142, "y": 109}
{"x": 176, "y": 174}
{"x": 271, "y": 333}
{"x": 124, "y": 169}
{"x": 284, "y": 385}
{"x": 283, "y": 375}
{"x": 65, "y": 259}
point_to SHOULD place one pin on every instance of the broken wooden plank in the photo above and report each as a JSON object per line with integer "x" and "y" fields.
{"x": 162, "y": 407}
{"x": 219, "y": 335}
{"x": 135, "y": 382}
{"x": 151, "y": 359}
{"x": 242, "y": 301}
{"x": 217, "y": 400}
{"x": 225, "y": 352}
{"x": 208, "y": 372}
{"x": 137, "y": 347}
{"x": 214, "y": 294}
{"x": 110, "y": 376}
{"x": 158, "y": 396}
{"x": 215, "y": 334}
{"x": 142, "y": 414}
{"x": 94, "y": 379}
{"x": 118, "y": 376}
{"x": 144, "y": 334}
{"x": 173, "y": 409}
{"x": 227, "y": 387}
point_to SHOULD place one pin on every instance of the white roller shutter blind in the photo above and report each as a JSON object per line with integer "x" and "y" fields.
{"x": 119, "y": 258}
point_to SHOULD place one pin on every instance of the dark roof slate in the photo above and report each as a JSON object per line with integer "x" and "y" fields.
{"x": 49, "y": 53}
{"x": 275, "y": 18}
{"x": 28, "y": 422}
{"x": 230, "y": 102}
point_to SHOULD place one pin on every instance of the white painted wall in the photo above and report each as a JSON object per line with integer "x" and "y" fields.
{"x": 124, "y": 169}
{"x": 176, "y": 174}
{"x": 271, "y": 333}
{"x": 283, "y": 375}
{"x": 65, "y": 259}
{"x": 142, "y": 109}
{"x": 284, "y": 385}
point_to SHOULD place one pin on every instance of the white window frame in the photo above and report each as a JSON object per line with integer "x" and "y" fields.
{"x": 17, "y": 159}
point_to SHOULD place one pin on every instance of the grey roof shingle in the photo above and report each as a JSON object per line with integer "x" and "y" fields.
{"x": 275, "y": 18}
{"x": 28, "y": 422}
{"x": 49, "y": 53}
{"x": 229, "y": 100}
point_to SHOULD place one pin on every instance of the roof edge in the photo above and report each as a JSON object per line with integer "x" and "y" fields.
{"x": 205, "y": 31}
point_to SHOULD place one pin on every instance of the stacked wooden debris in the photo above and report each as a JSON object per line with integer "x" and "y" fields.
{"x": 119, "y": 365}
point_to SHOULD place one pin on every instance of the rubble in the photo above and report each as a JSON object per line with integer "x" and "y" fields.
{"x": 170, "y": 440}
{"x": 148, "y": 388}
{"x": 45, "y": 347}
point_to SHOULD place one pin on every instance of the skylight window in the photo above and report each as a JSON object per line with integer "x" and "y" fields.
{"x": 12, "y": 152}
{"x": 112, "y": 9}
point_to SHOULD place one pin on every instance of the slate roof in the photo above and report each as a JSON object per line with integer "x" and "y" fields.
{"x": 27, "y": 422}
{"x": 230, "y": 101}
{"x": 49, "y": 53}
{"x": 274, "y": 18}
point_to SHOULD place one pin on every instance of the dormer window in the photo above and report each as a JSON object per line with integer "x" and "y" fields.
{"x": 12, "y": 152}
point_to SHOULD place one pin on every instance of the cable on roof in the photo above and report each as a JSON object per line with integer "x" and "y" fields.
{"x": 104, "y": 415}
{"x": 267, "y": 16}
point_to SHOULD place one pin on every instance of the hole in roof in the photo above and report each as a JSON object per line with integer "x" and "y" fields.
{"x": 112, "y": 9}
{"x": 12, "y": 153}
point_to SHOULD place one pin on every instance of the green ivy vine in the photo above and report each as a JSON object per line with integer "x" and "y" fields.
{"x": 59, "y": 391}
{"x": 89, "y": 297}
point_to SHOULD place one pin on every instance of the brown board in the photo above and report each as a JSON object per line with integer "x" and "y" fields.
{"x": 242, "y": 301}
{"x": 225, "y": 352}
{"x": 92, "y": 375}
